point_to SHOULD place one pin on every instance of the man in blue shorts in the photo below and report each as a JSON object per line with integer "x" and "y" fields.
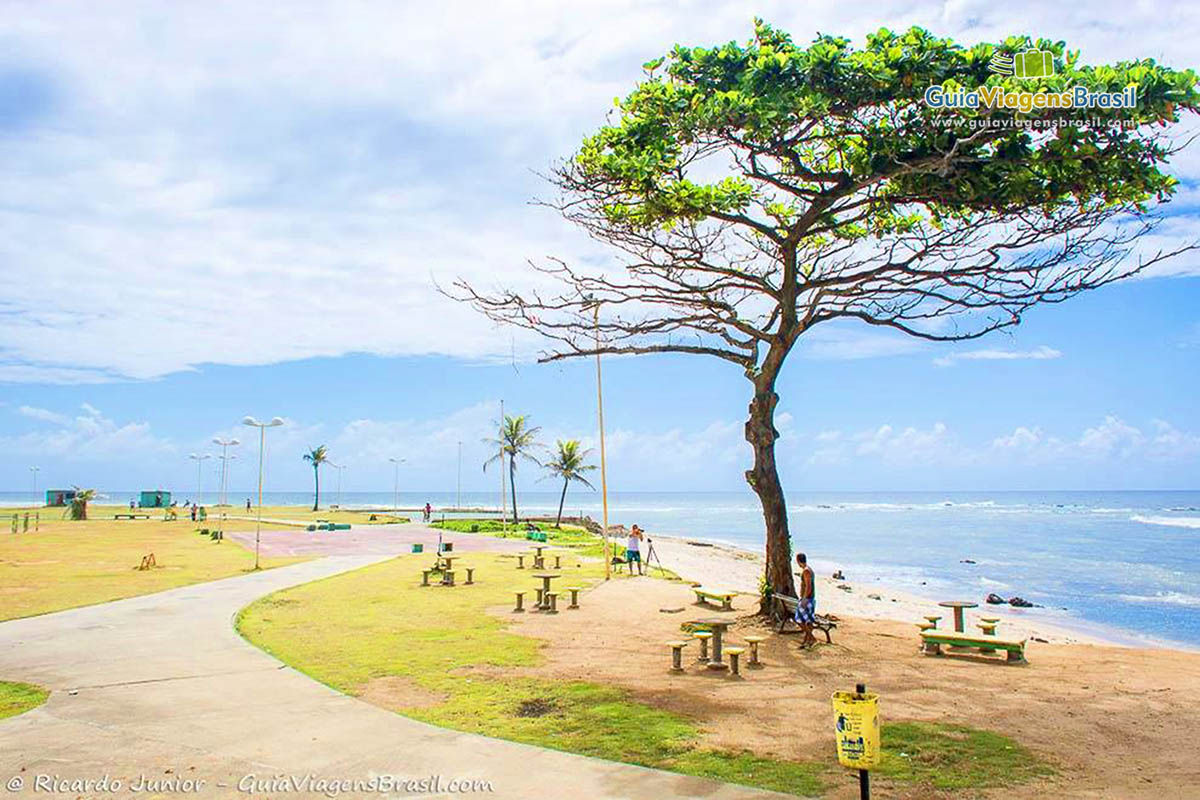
{"x": 633, "y": 551}
{"x": 806, "y": 611}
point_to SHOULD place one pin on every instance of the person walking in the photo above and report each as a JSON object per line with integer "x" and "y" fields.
{"x": 806, "y": 611}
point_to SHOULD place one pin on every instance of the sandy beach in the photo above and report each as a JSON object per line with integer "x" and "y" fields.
{"x": 723, "y": 566}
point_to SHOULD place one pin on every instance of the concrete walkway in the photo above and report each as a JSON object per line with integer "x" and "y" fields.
{"x": 161, "y": 688}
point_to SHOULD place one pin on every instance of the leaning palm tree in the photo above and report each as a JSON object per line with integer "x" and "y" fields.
{"x": 568, "y": 464}
{"x": 316, "y": 457}
{"x": 79, "y": 503}
{"x": 516, "y": 441}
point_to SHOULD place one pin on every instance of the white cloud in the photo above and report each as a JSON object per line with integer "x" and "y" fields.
{"x": 256, "y": 183}
{"x": 86, "y": 437}
{"x": 43, "y": 414}
{"x": 1042, "y": 353}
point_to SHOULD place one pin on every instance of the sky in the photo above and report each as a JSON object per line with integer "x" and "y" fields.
{"x": 209, "y": 210}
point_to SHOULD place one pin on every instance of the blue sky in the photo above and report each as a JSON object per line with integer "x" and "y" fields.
{"x": 221, "y": 209}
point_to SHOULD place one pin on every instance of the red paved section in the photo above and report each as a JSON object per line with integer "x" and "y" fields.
{"x": 369, "y": 540}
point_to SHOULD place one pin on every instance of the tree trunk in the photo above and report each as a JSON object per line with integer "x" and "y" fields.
{"x": 562, "y": 499}
{"x": 764, "y": 480}
{"x": 316, "y": 487}
{"x": 512, "y": 484}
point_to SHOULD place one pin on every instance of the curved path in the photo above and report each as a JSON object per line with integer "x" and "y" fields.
{"x": 161, "y": 686}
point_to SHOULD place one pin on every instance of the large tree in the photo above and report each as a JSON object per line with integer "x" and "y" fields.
{"x": 756, "y": 191}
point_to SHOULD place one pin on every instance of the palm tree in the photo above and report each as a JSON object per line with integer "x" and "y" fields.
{"x": 568, "y": 465}
{"x": 79, "y": 503}
{"x": 516, "y": 440}
{"x": 317, "y": 457}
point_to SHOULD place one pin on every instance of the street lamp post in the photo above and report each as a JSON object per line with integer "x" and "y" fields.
{"x": 199, "y": 459}
{"x": 34, "y": 470}
{"x": 339, "y": 468}
{"x": 396, "y": 484}
{"x": 600, "y": 419}
{"x": 262, "y": 444}
{"x": 458, "y": 491}
{"x": 224, "y": 444}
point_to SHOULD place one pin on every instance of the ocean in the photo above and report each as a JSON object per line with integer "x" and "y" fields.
{"x": 1105, "y": 562}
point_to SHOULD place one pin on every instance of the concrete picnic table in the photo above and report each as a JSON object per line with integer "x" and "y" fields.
{"x": 447, "y": 560}
{"x": 958, "y": 606}
{"x": 546, "y": 578}
{"x": 717, "y": 625}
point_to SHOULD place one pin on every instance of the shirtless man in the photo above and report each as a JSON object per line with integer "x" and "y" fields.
{"x": 806, "y": 612}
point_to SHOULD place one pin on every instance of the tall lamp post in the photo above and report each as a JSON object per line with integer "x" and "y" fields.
{"x": 339, "y": 468}
{"x": 34, "y": 470}
{"x": 262, "y": 444}
{"x": 224, "y": 444}
{"x": 600, "y": 418}
{"x": 199, "y": 459}
{"x": 458, "y": 493}
{"x": 396, "y": 484}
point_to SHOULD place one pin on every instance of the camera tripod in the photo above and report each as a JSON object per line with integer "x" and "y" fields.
{"x": 652, "y": 556}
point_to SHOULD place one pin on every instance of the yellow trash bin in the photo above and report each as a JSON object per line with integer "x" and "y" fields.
{"x": 856, "y": 722}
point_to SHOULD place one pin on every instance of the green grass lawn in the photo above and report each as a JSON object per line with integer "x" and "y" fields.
{"x": 568, "y": 536}
{"x": 377, "y": 623}
{"x": 17, "y": 698}
{"x": 66, "y": 564}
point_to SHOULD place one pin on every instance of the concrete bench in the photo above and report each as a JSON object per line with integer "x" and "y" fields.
{"x": 676, "y": 655}
{"x": 131, "y": 516}
{"x": 734, "y": 653}
{"x": 520, "y": 603}
{"x": 724, "y": 598}
{"x": 754, "y": 642}
{"x": 425, "y": 573}
{"x": 470, "y": 574}
{"x": 574, "y": 590}
{"x": 786, "y": 606}
{"x": 551, "y": 603}
{"x": 702, "y": 637}
{"x": 934, "y": 641}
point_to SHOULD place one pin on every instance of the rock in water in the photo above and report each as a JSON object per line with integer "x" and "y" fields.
{"x": 1019, "y": 602}
{"x": 994, "y": 599}
{"x": 967, "y": 561}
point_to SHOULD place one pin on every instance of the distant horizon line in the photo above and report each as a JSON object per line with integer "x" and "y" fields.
{"x": 555, "y": 492}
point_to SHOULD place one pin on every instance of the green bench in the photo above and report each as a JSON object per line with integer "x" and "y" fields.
{"x": 724, "y": 598}
{"x": 932, "y": 642}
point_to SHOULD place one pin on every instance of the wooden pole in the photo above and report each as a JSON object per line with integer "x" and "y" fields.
{"x": 864, "y": 775}
{"x": 603, "y": 463}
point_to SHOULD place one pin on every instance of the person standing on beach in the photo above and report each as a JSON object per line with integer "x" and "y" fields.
{"x": 633, "y": 551}
{"x": 428, "y": 512}
{"x": 247, "y": 505}
{"x": 806, "y": 611}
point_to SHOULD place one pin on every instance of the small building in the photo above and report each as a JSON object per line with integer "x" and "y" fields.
{"x": 154, "y": 498}
{"x": 59, "y": 497}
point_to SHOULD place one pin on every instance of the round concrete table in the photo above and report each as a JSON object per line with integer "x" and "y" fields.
{"x": 718, "y": 626}
{"x": 546, "y": 578}
{"x": 958, "y": 606}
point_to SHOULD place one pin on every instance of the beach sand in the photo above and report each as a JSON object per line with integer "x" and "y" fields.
{"x": 723, "y": 566}
{"x": 1115, "y": 722}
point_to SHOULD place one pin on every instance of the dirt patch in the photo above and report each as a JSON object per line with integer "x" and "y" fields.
{"x": 398, "y": 693}
{"x": 1110, "y": 718}
{"x": 537, "y": 707}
